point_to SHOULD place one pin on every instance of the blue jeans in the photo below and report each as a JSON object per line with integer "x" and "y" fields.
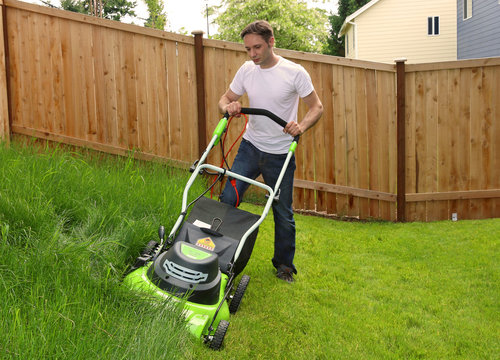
{"x": 251, "y": 162}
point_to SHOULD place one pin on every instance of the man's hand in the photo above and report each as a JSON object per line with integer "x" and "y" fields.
{"x": 315, "y": 110}
{"x": 293, "y": 128}
{"x": 229, "y": 103}
{"x": 233, "y": 108}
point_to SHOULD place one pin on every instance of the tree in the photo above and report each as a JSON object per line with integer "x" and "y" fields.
{"x": 108, "y": 9}
{"x": 296, "y": 27}
{"x": 336, "y": 45}
{"x": 157, "y": 17}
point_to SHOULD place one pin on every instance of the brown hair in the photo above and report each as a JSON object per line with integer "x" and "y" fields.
{"x": 259, "y": 27}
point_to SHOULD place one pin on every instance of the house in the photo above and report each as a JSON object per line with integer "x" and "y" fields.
{"x": 478, "y": 28}
{"x": 420, "y": 31}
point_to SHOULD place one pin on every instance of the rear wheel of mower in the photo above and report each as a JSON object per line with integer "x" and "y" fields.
{"x": 219, "y": 335}
{"x": 238, "y": 294}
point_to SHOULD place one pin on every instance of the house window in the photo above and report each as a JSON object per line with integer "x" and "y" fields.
{"x": 433, "y": 25}
{"x": 467, "y": 4}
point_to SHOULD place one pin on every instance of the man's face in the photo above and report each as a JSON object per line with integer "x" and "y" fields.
{"x": 259, "y": 51}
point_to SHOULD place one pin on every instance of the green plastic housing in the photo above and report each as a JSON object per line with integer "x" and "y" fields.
{"x": 219, "y": 130}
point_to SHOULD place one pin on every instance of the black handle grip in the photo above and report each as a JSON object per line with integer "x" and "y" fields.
{"x": 270, "y": 115}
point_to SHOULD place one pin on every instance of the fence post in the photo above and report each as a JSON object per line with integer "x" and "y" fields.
{"x": 4, "y": 77}
{"x": 401, "y": 139}
{"x": 200, "y": 90}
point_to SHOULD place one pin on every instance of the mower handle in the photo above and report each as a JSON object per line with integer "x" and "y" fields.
{"x": 264, "y": 112}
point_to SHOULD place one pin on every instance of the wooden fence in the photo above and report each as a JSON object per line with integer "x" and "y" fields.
{"x": 115, "y": 87}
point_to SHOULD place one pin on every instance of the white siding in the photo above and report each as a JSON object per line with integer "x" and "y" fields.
{"x": 394, "y": 29}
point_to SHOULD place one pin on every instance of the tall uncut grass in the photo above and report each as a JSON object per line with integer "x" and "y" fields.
{"x": 70, "y": 224}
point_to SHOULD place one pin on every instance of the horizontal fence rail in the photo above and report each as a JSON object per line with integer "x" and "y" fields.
{"x": 122, "y": 88}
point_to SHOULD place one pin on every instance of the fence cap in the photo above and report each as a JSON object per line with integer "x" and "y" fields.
{"x": 197, "y": 32}
{"x": 401, "y": 59}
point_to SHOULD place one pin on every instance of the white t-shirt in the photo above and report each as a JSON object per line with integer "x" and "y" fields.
{"x": 276, "y": 89}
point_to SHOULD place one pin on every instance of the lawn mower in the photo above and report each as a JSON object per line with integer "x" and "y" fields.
{"x": 206, "y": 250}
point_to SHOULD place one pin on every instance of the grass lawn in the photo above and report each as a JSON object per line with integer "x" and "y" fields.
{"x": 70, "y": 224}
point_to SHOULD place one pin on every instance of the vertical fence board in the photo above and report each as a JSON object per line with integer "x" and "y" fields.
{"x": 15, "y": 70}
{"x": 142, "y": 94}
{"x": 351, "y": 140}
{"x": 89, "y": 83}
{"x": 327, "y": 97}
{"x": 4, "y": 101}
{"x": 495, "y": 148}
{"x": 443, "y": 142}
{"x": 111, "y": 91}
{"x": 121, "y": 125}
{"x": 476, "y": 141}
{"x": 430, "y": 167}
{"x": 318, "y": 201}
{"x": 411, "y": 156}
{"x": 392, "y": 171}
{"x": 310, "y": 140}
{"x": 25, "y": 60}
{"x": 452, "y": 125}
{"x": 76, "y": 129}
{"x": 98, "y": 54}
{"x": 487, "y": 140}
{"x": 340, "y": 142}
{"x": 57, "y": 111}
{"x": 42, "y": 36}
{"x": 420, "y": 145}
{"x": 463, "y": 140}
{"x": 325, "y": 133}
{"x": 129, "y": 90}
{"x": 173, "y": 101}
{"x": 362, "y": 140}
{"x": 383, "y": 85}
{"x": 34, "y": 65}
{"x": 151, "y": 100}
{"x": 68, "y": 125}
{"x": 162, "y": 120}
{"x": 373, "y": 139}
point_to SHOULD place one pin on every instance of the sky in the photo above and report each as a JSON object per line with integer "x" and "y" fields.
{"x": 188, "y": 15}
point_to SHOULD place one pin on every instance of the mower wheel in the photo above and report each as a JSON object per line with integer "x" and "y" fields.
{"x": 219, "y": 335}
{"x": 238, "y": 294}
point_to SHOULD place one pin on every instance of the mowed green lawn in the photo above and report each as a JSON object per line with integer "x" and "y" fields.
{"x": 72, "y": 223}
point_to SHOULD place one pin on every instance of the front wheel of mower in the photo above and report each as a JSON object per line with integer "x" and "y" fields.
{"x": 238, "y": 294}
{"x": 219, "y": 335}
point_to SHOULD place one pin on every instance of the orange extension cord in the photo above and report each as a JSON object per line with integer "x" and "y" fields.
{"x": 224, "y": 156}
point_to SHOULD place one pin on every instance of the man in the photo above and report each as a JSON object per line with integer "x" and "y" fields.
{"x": 275, "y": 84}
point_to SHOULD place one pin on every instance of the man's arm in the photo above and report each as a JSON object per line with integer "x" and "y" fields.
{"x": 229, "y": 103}
{"x": 315, "y": 110}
